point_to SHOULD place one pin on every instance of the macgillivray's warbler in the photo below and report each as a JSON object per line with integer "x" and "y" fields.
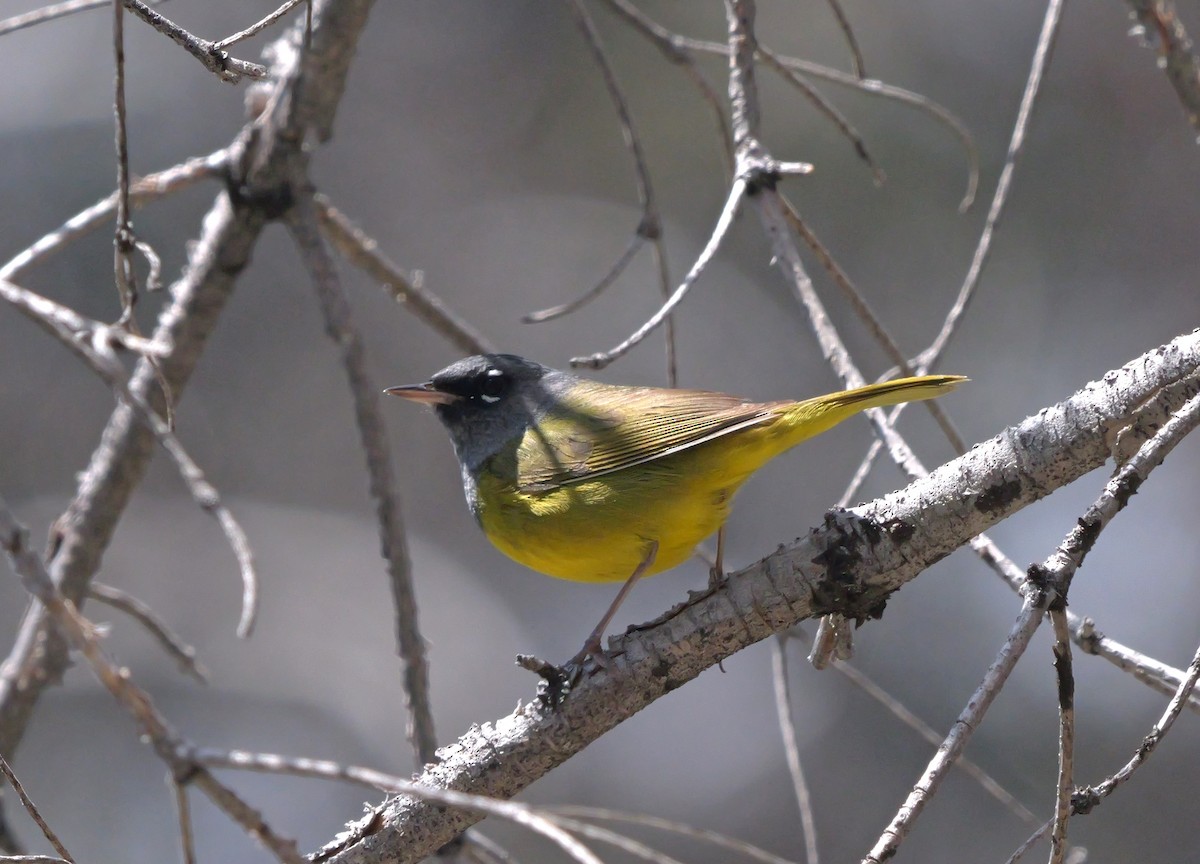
{"x": 602, "y": 482}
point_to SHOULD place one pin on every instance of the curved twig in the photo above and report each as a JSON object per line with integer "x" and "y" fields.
{"x": 724, "y": 221}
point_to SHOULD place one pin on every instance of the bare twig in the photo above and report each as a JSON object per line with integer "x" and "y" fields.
{"x": 856, "y": 57}
{"x": 1162, "y": 29}
{"x": 33, "y": 859}
{"x": 363, "y": 252}
{"x": 49, "y": 13}
{"x": 968, "y": 721}
{"x": 1154, "y": 673}
{"x": 650, "y": 225}
{"x": 61, "y": 320}
{"x": 724, "y": 222}
{"x": 227, "y": 240}
{"x": 704, "y": 835}
{"x": 791, "y": 747}
{"x": 340, "y": 326}
{"x": 988, "y": 783}
{"x": 215, "y": 60}
{"x": 141, "y": 192}
{"x": 1060, "y": 568}
{"x": 864, "y": 311}
{"x": 98, "y": 356}
{"x": 872, "y": 87}
{"x": 826, "y": 107}
{"x": 1030, "y": 842}
{"x": 183, "y": 654}
{"x": 744, "y": 98}
{"x": 157, "y": 731}
{"x": 123, "y": 238}
{"x": 259, "y": 26}
{"x": 482, "y": 849}
{"x": 96, "y": 352}
{"x": 183, "y": 811}
{"x": 32, "y": 810}
{"x": 1041, "y": 61}
{"x": 675, "y": 49}
{"x": 521, "y": 814}
{"x": 1066, "y": 734}
{"x": 618, "y": 267}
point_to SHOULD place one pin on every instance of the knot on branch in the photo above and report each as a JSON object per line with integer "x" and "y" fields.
{"x": 844, "y": 535}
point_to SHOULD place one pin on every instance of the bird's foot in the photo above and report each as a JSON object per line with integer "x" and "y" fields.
{"x": 557, "y": 681}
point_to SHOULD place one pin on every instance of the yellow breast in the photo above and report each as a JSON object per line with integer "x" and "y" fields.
{"x": 599, "y": 529}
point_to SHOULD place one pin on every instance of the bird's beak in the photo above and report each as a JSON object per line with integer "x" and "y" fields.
{"x": 425, "y": 393}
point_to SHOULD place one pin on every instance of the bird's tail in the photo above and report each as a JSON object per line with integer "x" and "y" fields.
{"x": 814, "y": 416}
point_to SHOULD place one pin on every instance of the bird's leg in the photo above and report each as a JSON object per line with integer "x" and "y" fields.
{"x": 717, "y": 572}
{"x": 591, "y": 648}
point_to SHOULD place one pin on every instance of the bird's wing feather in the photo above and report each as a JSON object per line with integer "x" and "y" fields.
{"x": 625, "y": 426}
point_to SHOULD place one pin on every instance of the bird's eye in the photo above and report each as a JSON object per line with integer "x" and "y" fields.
{"x": 493, "y": 385}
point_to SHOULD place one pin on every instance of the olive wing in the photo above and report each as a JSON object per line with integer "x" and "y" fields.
{"x": 598, "y": 429}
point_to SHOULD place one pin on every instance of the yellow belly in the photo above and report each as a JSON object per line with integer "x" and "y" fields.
{"x": 600, "y": 530}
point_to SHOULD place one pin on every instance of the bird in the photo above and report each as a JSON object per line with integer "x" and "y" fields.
{"x": 595, "y": 482}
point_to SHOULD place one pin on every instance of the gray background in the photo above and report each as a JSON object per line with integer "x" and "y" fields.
{"x": 477, "y": 144}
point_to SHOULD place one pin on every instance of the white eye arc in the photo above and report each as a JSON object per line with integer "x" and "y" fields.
{"x": 493, "y": 386}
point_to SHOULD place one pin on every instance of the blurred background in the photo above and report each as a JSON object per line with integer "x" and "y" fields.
{"x": 477, "y": 143}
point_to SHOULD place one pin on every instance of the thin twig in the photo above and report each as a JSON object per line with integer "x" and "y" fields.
{"x": 856, "y": 57}
{"x": 988, "y": 783}
{"x": 872, "y": 322}
{"x": 744, "y": 97}
{"x": 141, "y": 192}
{"x": 363, "y": 252}
{"x": 1032, "y": 612}
{"x": 724, "y": 222}
{"x": 33, "y": 812}
{"x": 1162, "y": 29}
{"x": 1086, "y": 799}
{"x": 826, "y": 107}
{"x": 650, "y": 225}
{"x": 674, "y": 48}
{"x": 227, "y": 239}
{"x": 1041, "y": 62}
{"x": 339, "y": 324}
{"x": 49, "y": 13}
{"x": 704, "y": 835}
{"x": 1065, "y": 676}
{"x": 257, "y": 27}
{"x": 866, "y": 85}
{"x": 617, "y": 268}
{"x": 57, "y": 318}
{"x": 791, "y": 747}
{"x": 1154, "y": 673}
{"x": 182, "y": 653}
{"x": 183, "y": 811}
{"x": 617, "y": 840}
{"x": 1029, "y": 843}
{"x": 123, "y": 237}
{"x": 96, "y": 353}
{"x": 513, "y": 811}
{"x": 215, "y": 60}
{"x": 81, "y": 633}
{"x": 1117, "y": 492}
{"x": 482, "y": 849}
